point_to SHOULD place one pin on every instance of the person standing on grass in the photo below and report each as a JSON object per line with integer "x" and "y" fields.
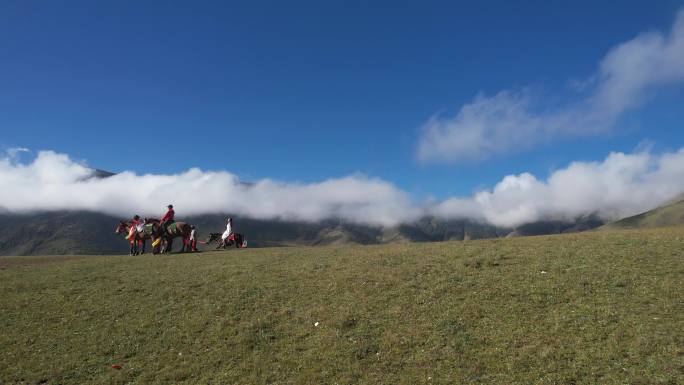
{"x": 193, "y": 238}
{"x": 136, "y": 225}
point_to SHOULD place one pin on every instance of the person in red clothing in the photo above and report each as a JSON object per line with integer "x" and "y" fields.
{"x": 135, "y": 226}
{"x": 167, "y": 219}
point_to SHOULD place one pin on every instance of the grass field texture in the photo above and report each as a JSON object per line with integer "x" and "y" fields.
{"x": 589, "y": 308}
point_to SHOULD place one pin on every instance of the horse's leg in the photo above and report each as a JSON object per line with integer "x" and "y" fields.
{"x": 142, "y": 243}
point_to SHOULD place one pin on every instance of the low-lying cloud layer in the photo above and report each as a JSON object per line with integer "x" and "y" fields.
{"x": 513, "y": 120}
{"x": 623, "y": 184}
{"x": 53, "y": 181}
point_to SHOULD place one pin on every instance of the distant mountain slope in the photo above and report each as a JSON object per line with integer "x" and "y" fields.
{"x": 80, "y": 232}
{"x": 582, "y": 223}
{"x": 283, "y": 233}
{"x": 63, "y": 232}
{"x": 670, "y": 214}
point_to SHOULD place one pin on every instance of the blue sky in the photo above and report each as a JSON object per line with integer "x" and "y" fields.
{"x": 306, "y": 91}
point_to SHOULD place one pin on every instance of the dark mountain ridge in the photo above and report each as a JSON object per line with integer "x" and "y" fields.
{"x": 83, "y": 232}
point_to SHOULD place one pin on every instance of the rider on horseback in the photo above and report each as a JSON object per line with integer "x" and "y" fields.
{"x": 229, "y": 230}
{"x": 167, "y": 219}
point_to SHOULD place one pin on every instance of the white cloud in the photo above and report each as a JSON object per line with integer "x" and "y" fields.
{"x": 622, "y": 184}
{"x": 516, "y": 120}
{"x": 15, "y": 151}
{"x": 53, "y": 181}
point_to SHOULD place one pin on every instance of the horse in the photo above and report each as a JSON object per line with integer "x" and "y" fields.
{"x": 137, "y": 241}
{"x": 239, "y": 240}
{"x": 164, "y": 242}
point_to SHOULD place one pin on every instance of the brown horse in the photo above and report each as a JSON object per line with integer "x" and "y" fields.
{"x": 138, "y": 240}
{"x": 173, "y": 230}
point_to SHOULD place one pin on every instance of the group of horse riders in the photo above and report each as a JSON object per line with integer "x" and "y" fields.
{"x": 138, "y": 224}
{"x": 167, "y": 228}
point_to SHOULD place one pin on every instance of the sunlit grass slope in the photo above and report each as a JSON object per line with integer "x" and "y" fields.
{"x": 671, "y": 214}
{"x": 589, "y": 308}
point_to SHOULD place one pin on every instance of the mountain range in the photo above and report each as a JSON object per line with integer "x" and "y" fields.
{"x": 83, "y": 232}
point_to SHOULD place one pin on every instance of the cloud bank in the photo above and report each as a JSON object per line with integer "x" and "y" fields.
{"x": 53, "y": 181}
{"x": 620, "y": 185}
{"x": 512, "y": 120}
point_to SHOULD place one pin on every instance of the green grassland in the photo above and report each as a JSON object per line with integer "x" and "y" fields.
{"x": 667, "y": 215}
{"x": 590, "y": 308}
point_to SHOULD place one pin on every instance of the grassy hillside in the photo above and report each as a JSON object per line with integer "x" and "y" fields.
{"x": 671, "y": 214}
{"x": 588, "y": 308}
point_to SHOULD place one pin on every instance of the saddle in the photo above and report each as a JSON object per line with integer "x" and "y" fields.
{"x": 172, "y": 228}
{"x": 148, "y": 229}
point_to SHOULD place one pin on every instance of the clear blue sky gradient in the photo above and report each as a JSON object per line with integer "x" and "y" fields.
{"x": 305, "y": 91}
